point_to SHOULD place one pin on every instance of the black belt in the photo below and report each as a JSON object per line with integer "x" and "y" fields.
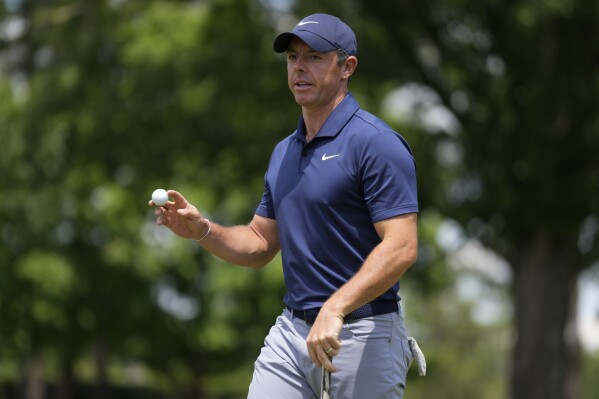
{"x": 370, "y": 309}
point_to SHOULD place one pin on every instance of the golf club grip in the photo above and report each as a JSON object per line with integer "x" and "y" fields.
{"x": 325, "y": 384}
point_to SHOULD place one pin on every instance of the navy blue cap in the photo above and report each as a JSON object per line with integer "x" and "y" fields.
{"x": 321, "y": 32}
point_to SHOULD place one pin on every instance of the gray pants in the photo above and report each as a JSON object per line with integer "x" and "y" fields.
{"x": 372, "y": 363}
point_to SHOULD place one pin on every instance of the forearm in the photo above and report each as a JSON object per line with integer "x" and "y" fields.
{"x": 385, "y": 265}
{"x": 381, "y": 270}
{"x": 253, "y": 245}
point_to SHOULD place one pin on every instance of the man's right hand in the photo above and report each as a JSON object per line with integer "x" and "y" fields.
{"x": 181, "y": 217}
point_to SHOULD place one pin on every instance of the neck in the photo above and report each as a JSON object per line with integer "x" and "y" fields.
{"x": 315, "y": 118}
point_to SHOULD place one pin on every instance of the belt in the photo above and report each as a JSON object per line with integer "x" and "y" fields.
{"x": 370, "y": 309}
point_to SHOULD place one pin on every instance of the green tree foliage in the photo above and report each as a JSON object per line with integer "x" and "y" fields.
{"x": 118, "y": 98}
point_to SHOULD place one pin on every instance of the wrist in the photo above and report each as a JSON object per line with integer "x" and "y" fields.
{"x": 207, "y": 231}
{"x": 334, "y": 307}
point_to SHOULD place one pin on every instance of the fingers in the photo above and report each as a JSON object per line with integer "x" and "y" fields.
{"x": 323, "y": 341}
{"x": 181, "y": 217}
{"x": 327, "y": 363}
{"x": 323, "y": 349}
{"x": 331, "y": 351}
{"x": 327, "y": 348}
{"x": 177, "y": 204}
{"x": 165, "y": 213}
{"x": 151, "y": 203}
{"x": 183, "y": 207}
{"x": 178, "y": 199}
{"x": 330, "y": 347}
{"x": 161, "y": 214}
{"x": 168, "y": 203}
{"x": 322, "y": 359}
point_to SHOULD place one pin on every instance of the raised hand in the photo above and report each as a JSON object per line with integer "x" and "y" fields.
{"x": 181, "y": 217}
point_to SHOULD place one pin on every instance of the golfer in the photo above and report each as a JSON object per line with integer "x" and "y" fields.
{"x": 340, "y": 203}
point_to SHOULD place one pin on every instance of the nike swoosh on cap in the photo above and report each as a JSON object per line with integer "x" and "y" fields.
{"x": 307, "y": 22}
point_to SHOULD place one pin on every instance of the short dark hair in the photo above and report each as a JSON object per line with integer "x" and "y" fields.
{"x": 341, "y": 56}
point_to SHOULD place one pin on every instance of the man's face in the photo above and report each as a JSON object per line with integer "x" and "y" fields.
{"x": 315, "y": 79}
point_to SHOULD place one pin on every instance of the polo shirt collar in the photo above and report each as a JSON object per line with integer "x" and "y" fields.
{"x": 335, "y": 121}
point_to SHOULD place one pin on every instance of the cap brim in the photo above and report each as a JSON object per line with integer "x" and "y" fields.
{"x": 313, "y": 41}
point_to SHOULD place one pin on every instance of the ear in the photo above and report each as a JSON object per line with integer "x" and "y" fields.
{"x": 349, "y": 66}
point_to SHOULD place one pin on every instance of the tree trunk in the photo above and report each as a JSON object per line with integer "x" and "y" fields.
{"x": 545, "y": 359}
{"x": 101, "y": 390}
{"x": 35, "y": 381}
{"x": 67, "y": 382}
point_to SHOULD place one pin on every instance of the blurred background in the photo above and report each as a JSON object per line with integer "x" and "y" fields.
{"x": 103, "y": 101}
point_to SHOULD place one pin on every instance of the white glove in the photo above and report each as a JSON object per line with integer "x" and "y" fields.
{"x": 418, "y": 356}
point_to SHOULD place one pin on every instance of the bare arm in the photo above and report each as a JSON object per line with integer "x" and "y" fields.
{"x": 381, "y": 270}
{"x": 384, "y": 266}
{"x": 253, "y": 245}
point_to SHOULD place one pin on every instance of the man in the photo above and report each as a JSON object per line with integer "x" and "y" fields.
{"x": 340, "y": 203}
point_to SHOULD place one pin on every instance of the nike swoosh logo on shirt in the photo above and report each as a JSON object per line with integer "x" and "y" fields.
{"x": 306, "y": 22}
{"x": 324, "y": 156}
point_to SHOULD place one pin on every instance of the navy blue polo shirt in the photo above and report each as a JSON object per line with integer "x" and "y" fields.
{"x": 326, "y": 195}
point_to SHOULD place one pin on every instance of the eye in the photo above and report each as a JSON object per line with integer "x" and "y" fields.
{"x": 291, "y": 56}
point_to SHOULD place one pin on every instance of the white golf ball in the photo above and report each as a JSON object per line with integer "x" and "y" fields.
{"x": 159, "y": 197}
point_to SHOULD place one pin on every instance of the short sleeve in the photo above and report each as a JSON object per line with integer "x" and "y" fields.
{"x": 388, "y": 172}
{"x": 266, "y": 208}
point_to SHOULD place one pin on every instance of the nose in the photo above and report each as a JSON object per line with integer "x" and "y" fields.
{"x": 298, "y": 64}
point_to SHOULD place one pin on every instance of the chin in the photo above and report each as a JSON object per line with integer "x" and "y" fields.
{"x": 301, "y": 100}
